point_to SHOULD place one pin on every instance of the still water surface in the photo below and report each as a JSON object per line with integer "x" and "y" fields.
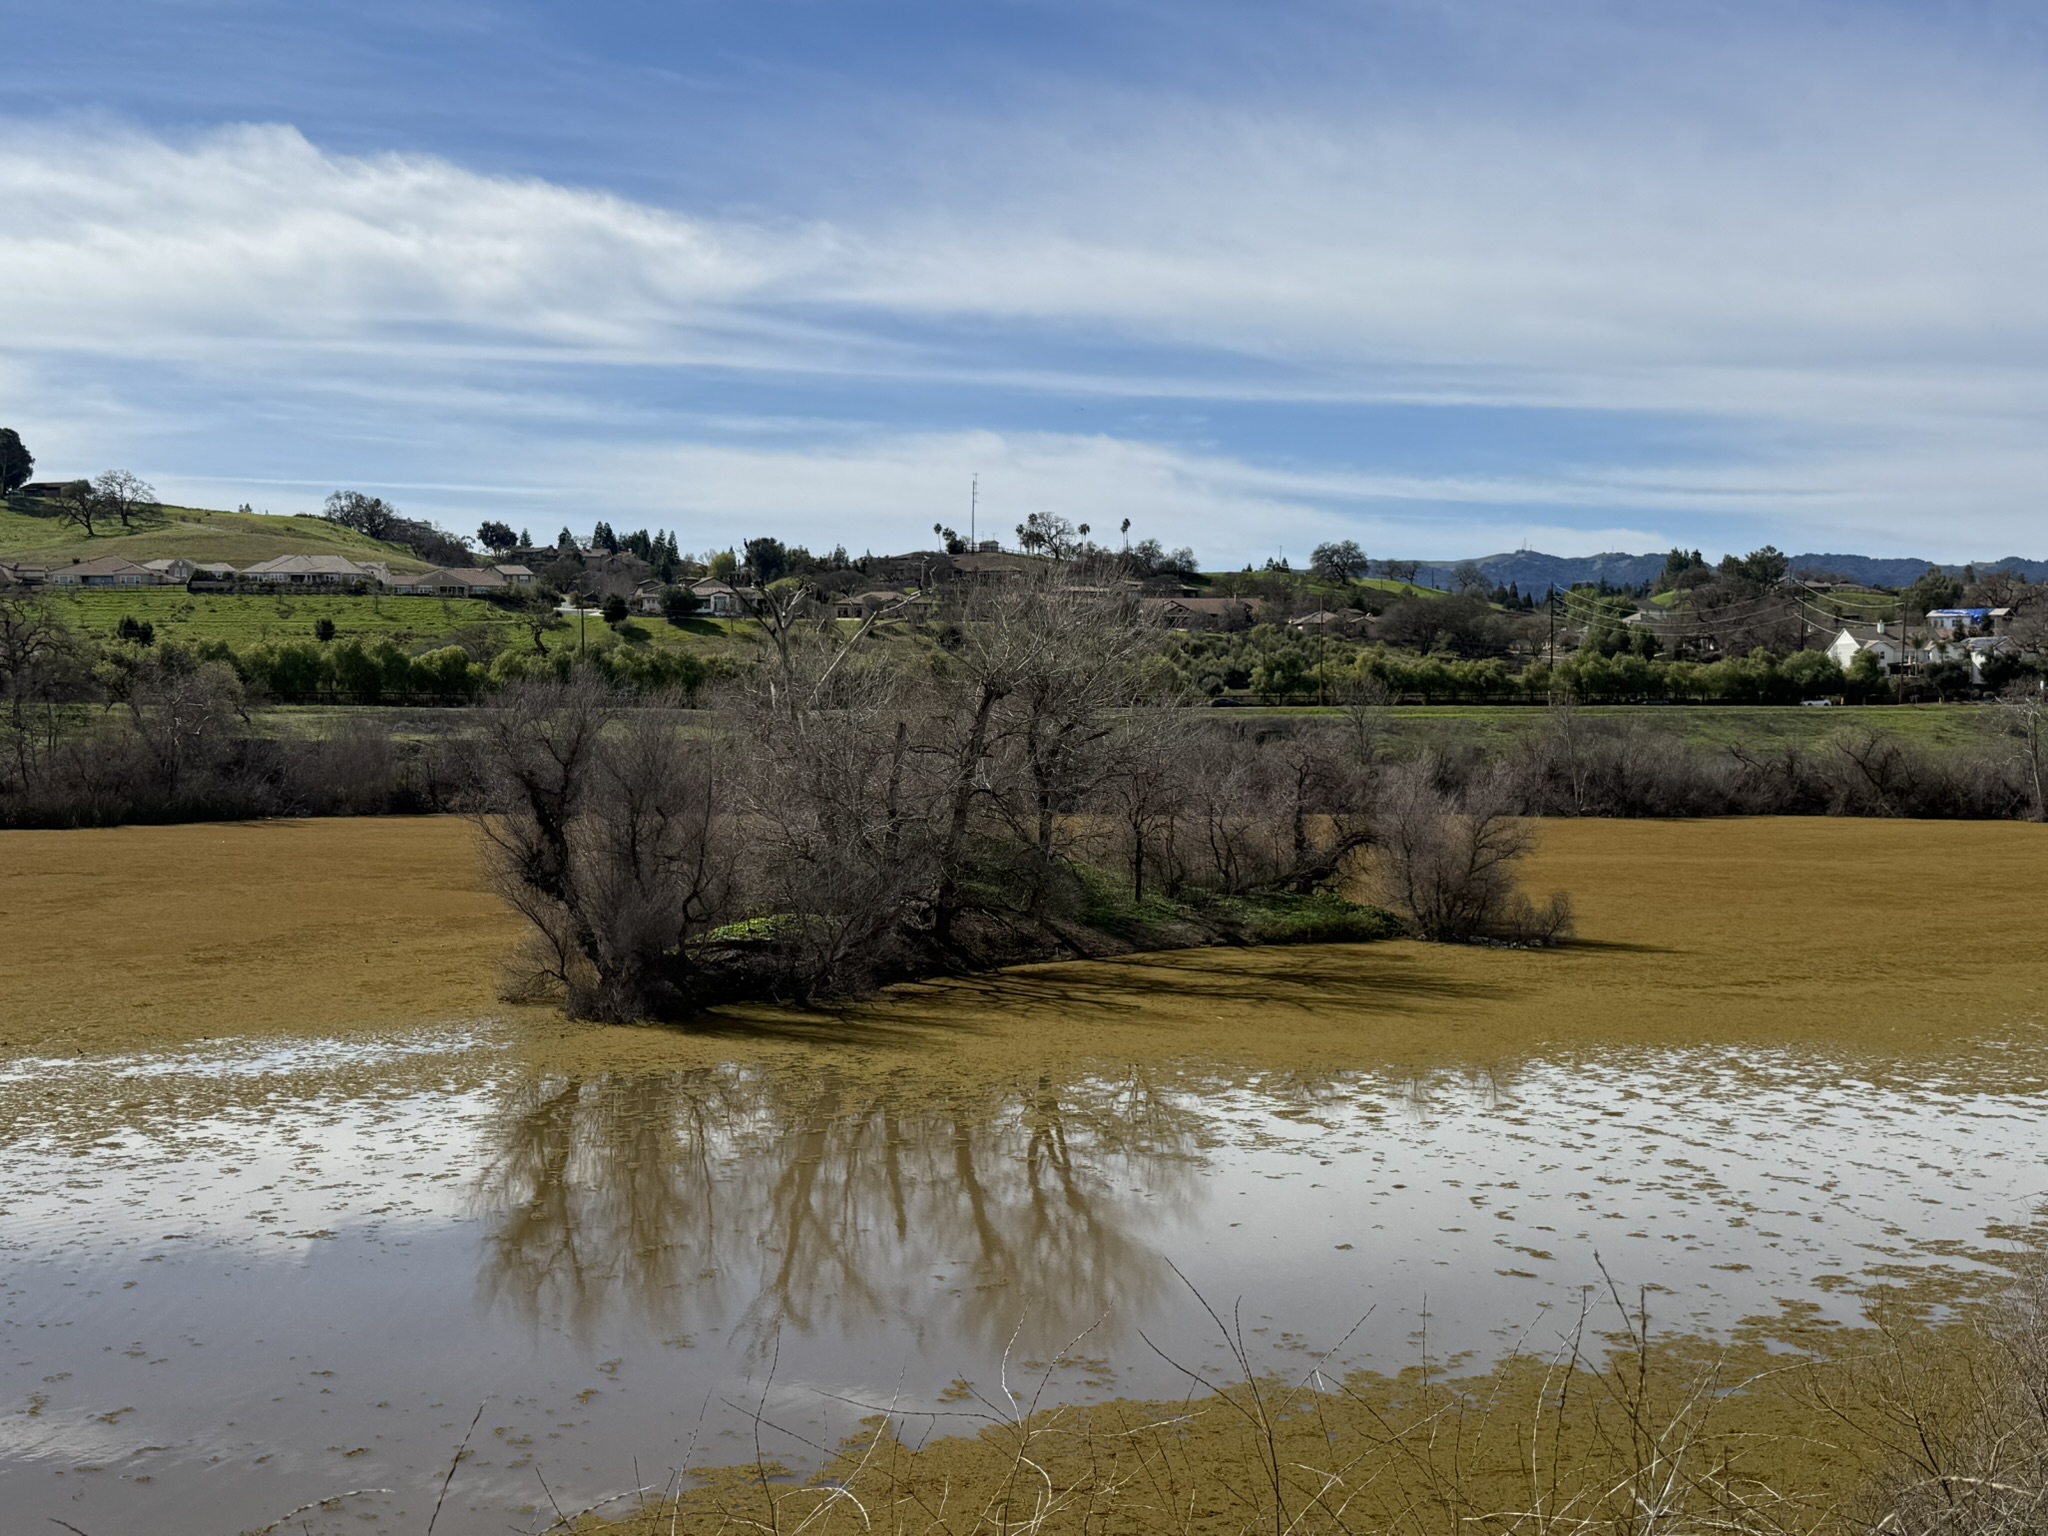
{"x": 241, "y": 1278}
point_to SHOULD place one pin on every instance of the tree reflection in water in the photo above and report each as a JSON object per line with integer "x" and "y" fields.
{"x": 759, "y": 1201}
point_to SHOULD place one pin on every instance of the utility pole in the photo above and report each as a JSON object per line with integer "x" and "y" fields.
{"x": 1550, "y": 657}
{"x": 973, "y": 506}
{"x": 1900, "y": 696}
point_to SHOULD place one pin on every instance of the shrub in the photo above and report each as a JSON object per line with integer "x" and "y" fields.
{"x": 1321, "y": 918}
{"x": 1446, "y": 863}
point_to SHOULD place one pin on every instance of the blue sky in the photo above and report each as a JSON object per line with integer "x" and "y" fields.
{"x": 1443, "y": 276}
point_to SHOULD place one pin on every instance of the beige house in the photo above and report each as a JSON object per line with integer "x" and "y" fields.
{"x": 1198, "y": 612}
{"x": 721, "y": 601}
{"x": 456, "y": 581}
{"x": 1325, "y": 621}
{"x": 318, "y": 571}
{"x": 109, "y": 571}
{"x": 860, "y": 605}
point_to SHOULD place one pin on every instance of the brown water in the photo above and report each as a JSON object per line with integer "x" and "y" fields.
{"x": 241, "y": 1276}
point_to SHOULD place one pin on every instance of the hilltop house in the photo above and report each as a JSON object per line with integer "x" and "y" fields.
{"x": 1945, "y": 623}
{"x": 721, "y": 601}
{"x": 108, "y": 571}
{"x": 456, "y": 581}
{"x": 1885, "y": 640}
{"x": 1197, "y": 612}
{"x": 1324, "y": 621}
{"x": 318, "y": 571}
{"x": 860, "y": 605}
{"x": 1853, "y": 639}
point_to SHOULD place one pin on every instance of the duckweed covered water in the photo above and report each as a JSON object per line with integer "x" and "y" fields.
{"x": 249, "y": 1266}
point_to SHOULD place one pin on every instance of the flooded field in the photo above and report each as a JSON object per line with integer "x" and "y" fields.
{"x": 290, "y": 1200}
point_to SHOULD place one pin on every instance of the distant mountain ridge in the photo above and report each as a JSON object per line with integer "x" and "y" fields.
{"x": 1536, "y": 573}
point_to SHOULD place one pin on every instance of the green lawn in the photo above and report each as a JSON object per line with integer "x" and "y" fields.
{"x": 245, "y": 620}
{"x": 240, "y": 538}
{"x": 1719, "y": 725}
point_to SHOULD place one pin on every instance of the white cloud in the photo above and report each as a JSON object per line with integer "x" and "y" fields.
{"x": 252, "y": 235}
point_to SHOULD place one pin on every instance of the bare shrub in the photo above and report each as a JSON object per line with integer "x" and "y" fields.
{"x": 842, "y": 809}
{"x": 1144, "y": 795}
{"x": 1964, "y": 1424}
{"x": 188, "y": 722}
{"x": 2023, "y": 714}
{"x": 1446, "y": 863}
{"x": 1029, "y": 695}
{"x": 1873, "y": 773}
{"x": 600, "y": 829}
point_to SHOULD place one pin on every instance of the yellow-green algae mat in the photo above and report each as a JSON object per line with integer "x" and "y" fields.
{"x": 1742, "y": 939}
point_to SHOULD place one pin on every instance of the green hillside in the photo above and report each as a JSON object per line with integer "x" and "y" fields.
{"x": 245, "y": 620}
{"x": 28, "y": 533}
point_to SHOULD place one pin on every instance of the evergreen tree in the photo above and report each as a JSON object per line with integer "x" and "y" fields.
{"x": 16, "y": 462}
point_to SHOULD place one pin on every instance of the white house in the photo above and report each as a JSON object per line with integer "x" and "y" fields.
{"x": 1946, "y": 622}
{"x": 1890, "y": 646}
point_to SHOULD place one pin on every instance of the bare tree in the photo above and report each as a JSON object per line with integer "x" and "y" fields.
{"x": 1448, "y": 867}
{"x": 2023, "y": 712}
{"x": 1145, "y": 791}
{"x": 838, "y": 811}
{"x": 40, "y": 661}
{"x": 601, "y": 830}
{"x": 1073, "y": 675}
{"x": 1365, "y": 701}
{"x": 187, "y": 720}
{"x": 79, "y": 506}
{"x": 124, "y": 495}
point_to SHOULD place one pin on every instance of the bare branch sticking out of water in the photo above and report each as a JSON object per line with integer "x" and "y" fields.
{"x": 293, "y": 1514}
{"x": 453, "y": 1463}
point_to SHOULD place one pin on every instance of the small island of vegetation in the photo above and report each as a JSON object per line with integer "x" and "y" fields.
{"x": 835, "y": 820}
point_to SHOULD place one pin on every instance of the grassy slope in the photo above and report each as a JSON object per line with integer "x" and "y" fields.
{"x": 1717, "y": 725}
{"x": 245, "y": 620}
{"x": 240, "y": 538}
{"x": 1220, "y": 584}
{"x": 1861, "y": 604}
